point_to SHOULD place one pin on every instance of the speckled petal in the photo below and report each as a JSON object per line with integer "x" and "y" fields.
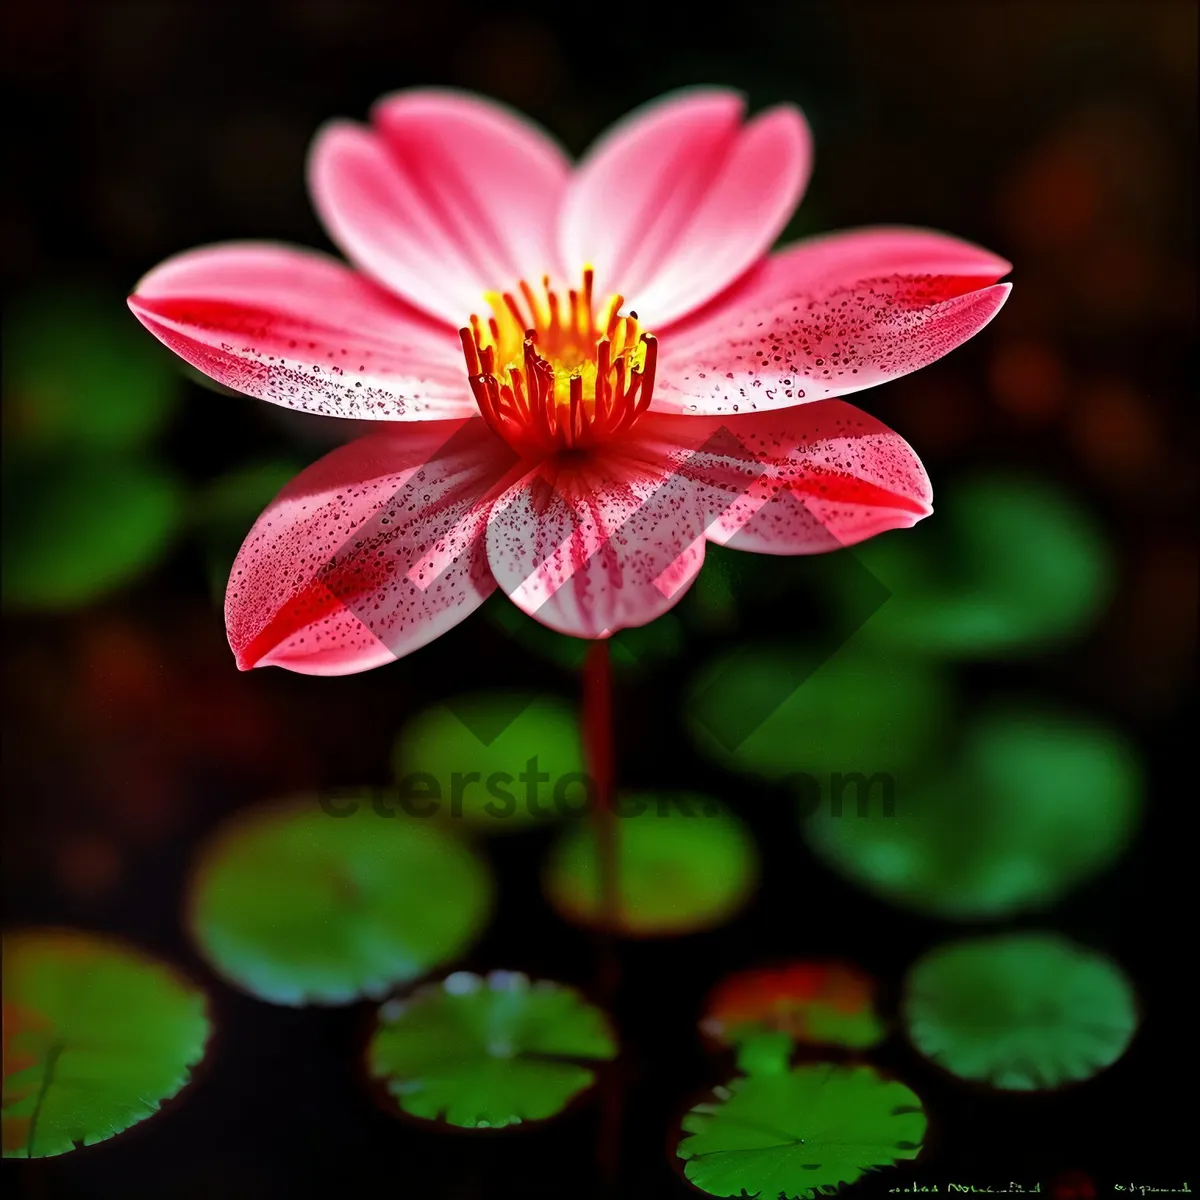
{"x": 447, "y": 196}
{"x": 590, "y": 543}
{"x": 827, "y": 318}
{"x": 680, "y": 197}
{"x": 370, "y": 553}
{"x": 300, "y": 329}
{"x": 804, "y": 480}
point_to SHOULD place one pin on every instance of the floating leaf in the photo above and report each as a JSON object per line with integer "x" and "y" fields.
{"x": 96, "y": 1037}
{"x": 1019, "y": 1011}
{"x": 298, "y": 906}
{"x": 79, "y": 372}
{"x": 76, "y": 528}
{"x": 823, "y": 1003}
{"x": 1037, "y": 804}
{"x": 498, "y": 759}
{"x": 1011, "y": 563}
{"x": 684, "y": 864}
{"x": 772, "y": 711}
{"x": 801, "y": 1133}
{"x": 486, "y": 1053}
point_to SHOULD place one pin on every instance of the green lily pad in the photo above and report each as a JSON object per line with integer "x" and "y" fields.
{"x": 1020, "y": 1011}
{"x": 80, "y": 373}
{"x": 77, "y": 528}
{"x": 772, "y": 711}
{"x": 800, "y": 1133}
{"x": 499, "y": 760}
{"x": 1037, "y": 804}
{"x": 1009, "y": 564}
{"x": 684, "y": 864}
{"x": 487, "y": 1053}
{"x": 298, "y": 906}
{"x": 820, "y": 1003}
{"x": 96, "y": 1036}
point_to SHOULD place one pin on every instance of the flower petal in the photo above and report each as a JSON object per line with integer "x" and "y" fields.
{"x": 829, "y": 317}
{"x": 370, "y": 553}
{"x": 592, "y": 544}
{"x": 680, "y": 198}
{"x": 449, "y": 196}
{"x": 300, "y": 329}
{"x": 804, "y": 480}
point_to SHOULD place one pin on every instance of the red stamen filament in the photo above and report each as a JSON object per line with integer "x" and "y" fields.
{"x": 548, "y": 376}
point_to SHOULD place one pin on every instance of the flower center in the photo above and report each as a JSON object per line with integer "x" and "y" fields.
{"x": 548, "y": 375}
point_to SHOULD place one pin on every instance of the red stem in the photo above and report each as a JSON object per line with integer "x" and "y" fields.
{"x": 598, "y": 747}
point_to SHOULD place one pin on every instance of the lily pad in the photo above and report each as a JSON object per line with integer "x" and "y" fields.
{"x": 1021, "y": 1011}
{"x": 96, "y": 1036}
{"x": 820, "y": 1003}
{"x": 1038, "y": 803}
{"x": 487, "y": 1053}
{"x": 297, "y": 906}
{"x": 800, "y": 1133}
{"x": 684, "y": 864}
{"x": 500, "y": 760}
{"x": 1011, "y": 563}
{"x": 774, "y": 710}
{"x": 76, "y": 528}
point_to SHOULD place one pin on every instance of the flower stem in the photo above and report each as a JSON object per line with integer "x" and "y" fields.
{"x": 598, "y": 748}
{"x": 598, "y": 743}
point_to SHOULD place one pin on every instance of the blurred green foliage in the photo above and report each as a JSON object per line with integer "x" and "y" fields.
{"x": 78, "y": 526}
{"x": 80, "y": 373}
{"x": 526, "y": 738}
{"x": 87, "y": 505}
{"x": 90, "y": 503}
{"x": 799, "y": 1133}
{"x": 1019, "y": 1011}
{"x": 488, "y": 1053}
{"x": 856, "y": 711}
{"x": 1036, "y": 804}
{"x": 1007, "y": 564}
{"x": 297, "y": 906}
{"x": 684, "y": 863}
{"x": 96, "y": 1037}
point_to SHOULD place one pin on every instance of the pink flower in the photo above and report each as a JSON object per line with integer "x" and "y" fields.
{"x": 581, "y": 373}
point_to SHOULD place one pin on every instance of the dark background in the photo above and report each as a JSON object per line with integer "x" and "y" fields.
{"x": 1059, "y": 134}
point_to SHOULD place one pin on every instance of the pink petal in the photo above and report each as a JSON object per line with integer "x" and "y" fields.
{"x": 680, "y": 198}
{"x": 592, "y": 544}
{"x": 299, "y": 329}
{"x": 828, "y": 317}
{"x": 803, "y": 480}
{"x": 449, "y": 196}
{"x": 370, "y": 553}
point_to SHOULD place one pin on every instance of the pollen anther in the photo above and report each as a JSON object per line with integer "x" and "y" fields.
{"x": 547, "y": 375}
